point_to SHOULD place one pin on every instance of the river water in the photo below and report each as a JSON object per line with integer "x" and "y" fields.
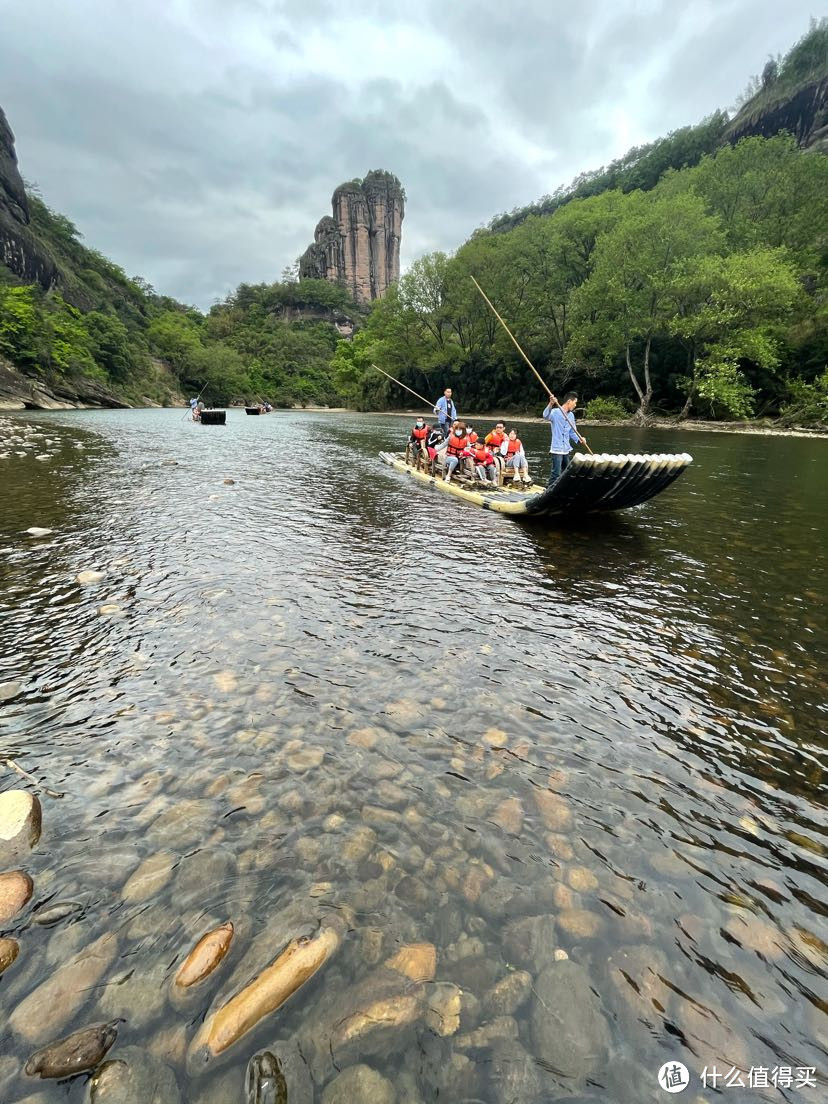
{"x": 586, "y": 764}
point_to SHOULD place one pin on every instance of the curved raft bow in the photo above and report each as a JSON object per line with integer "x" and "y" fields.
{"x": 591, "y": 484}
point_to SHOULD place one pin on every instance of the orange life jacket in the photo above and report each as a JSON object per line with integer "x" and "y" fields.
{"x": 420, "y": 434}
{"x": 495, "y": 439}
{"x": 482, "y": 455}
{"x": 457, "y": 445}
{"x": 513, "y": 446}
{"x": 473, "y": 438}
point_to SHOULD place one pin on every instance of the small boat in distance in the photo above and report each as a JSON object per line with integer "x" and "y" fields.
{"x": 253, "y": 410}
{"x": 213, "y": 417}
{"x": 592, "y": 484}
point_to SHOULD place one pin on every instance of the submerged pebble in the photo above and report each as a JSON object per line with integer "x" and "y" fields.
{"x": 16, "y": 888}
{"x": 20, "y": 822}
{"x": 82, "y": 1050}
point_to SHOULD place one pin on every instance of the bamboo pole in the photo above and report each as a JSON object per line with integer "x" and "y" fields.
{"x": 430, "y": 405}
{"x": 526, "y": 358}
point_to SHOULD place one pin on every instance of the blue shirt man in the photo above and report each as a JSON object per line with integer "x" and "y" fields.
{"x": 564, "y": 433}
{"x": 446, "y": 411}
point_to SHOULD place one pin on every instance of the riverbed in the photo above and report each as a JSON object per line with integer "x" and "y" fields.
{"x": 575, "y": 773}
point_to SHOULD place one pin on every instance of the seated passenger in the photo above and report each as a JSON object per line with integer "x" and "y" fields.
{"x": 418, "y": 437}
{"x": 496, "y": 438}
{"x": 454, "y": 447}
{"x": 484, "y": 463}
{"x": 435, "y": 438}
{"x": 472, "y": 436}
{"x": 512, "y": 450}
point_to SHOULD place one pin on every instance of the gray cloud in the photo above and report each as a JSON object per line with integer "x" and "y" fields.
{"x": 198, "y": 143}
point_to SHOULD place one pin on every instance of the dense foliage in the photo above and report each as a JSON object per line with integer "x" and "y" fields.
{"x": 273, "y": 341}
{"x": 706, "y": 292}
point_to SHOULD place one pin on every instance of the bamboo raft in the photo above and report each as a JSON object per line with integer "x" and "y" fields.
{"x": 592, "y": 484}
{"x": 213, "y": 417}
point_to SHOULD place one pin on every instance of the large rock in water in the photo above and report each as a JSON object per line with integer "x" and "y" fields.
{"x": 569, "y": 1031}
{"x": 82, "y": 1050}
{"x": 20, "y": 819}
{"x": 360, "y": 246}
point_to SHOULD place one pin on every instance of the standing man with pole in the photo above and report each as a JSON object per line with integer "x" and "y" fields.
{"x": 564, "y": 432}
{"x": 446, "y": 411}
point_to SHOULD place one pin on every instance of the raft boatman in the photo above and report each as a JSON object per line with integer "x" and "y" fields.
{"x": 446, "y": 411}
{"x": 564, "y": 433}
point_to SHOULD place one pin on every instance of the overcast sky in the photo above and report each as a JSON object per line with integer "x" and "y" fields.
{"x": 197, "y": 142}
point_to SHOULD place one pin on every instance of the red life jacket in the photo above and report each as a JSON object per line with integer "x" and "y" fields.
{"x": 495, "y": 439}
{"x": 473, "y": 438}
{"x": 420, "y": 434}
{"x": 456, "y": 445}
{"x": 513, "y": 446}
{"x": 482, "y": 455}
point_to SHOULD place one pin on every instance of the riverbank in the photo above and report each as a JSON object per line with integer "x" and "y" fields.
{"x": 758, "y": 428}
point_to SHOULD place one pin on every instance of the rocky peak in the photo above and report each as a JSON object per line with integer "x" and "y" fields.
{"x": 19, "y": 249}
{"x": 12, "y": 191}
{"x": 359, "y": 246}
{"x": 803, "y": 112}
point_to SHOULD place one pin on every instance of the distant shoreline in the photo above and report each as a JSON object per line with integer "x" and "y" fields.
{"x": 656, "y": 423}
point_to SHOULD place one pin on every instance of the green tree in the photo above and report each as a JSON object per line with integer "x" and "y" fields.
{"x": 20, "y": 325}
{"x": 626, "y": 304}
{"x": 728, "y": 311}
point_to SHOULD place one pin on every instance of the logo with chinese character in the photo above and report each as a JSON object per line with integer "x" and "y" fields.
{"x": 674, "y": 1077}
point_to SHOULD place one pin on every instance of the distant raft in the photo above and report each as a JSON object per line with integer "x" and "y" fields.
{"x": 213, "y": 417}
{"x": 592, "y": 484}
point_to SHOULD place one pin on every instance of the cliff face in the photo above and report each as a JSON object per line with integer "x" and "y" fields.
{"x": 19, "y": 249}
{"x": 359, "y": 246}
{"x": 804, "y": 113}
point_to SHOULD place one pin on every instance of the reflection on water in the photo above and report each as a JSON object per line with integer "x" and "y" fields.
{"x": 579, "y": 769}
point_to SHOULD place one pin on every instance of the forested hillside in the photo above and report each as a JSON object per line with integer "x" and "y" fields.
{"x": 97, "y": 326}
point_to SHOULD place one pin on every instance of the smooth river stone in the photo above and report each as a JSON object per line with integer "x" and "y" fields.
{"x": 267, "y": 992}
{"x": 359, "y": 1085}
{"x": 9, "y": 690}
{"x": 306, "y": 758}
{"x": 554, "y": 810}
{"x": 569, "y": 1030}
{"x": 86, "y": 578}
{"x": 134, "y": 1077}
{"x": 581, "y": 879}
{"x": 138, "y": 999}
{"x": 530, "y": 941}
{"x": 509, "y": 816}
{"x": 58, "y": 999}
{"x": 417, "y": 961}
{"x": 20, "y": 822}
{"x": 580, "y": 923}
{"x": 53, "y": 914}
{"x": 38, "y": 531}
{"x": 205, "y": 956}
{"x": 444, "y": 1005}
{"x": 16, "y": 888}
{"x": 82, "y": 1050}
{"x": 150, "y": 877}
{"x": 507, "y": 996}
{"x": 9, "y": 950}
{"x": 281, "y": 1068}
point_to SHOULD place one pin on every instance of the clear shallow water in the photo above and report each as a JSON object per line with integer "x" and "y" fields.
{"x": 324, "y": 688}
